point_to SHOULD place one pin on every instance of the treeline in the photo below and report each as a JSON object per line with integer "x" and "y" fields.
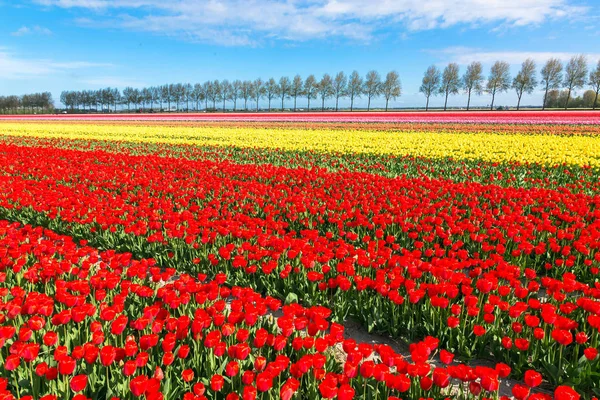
{"x": 27, "y": 103}
{"x": 553, "y": 76}
{"x": 557, "y": 81}
{"x": 241, "y": 94}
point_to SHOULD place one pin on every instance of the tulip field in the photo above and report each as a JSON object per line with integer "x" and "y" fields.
{"x": 224, "y": 259}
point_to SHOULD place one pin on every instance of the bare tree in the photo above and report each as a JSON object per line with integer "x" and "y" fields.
{"x": 391, "y": 88}
{"x": 208, "y": 93}
{"x": 236, "y": 86}
{"x": 215, "y": 93}
{"x": 372, "y": 86}
{"x": 430, "y": 84}
{"x": 340, "y": 82}
{"x": 472, "y": 80}
{"x": 450, "y": 82}
{"x": 246, "y": 93}
{"x": 285, "y": 87}
{"x": 325, "y": 89}
{"x": 296, "y": 88}
{"x": 198, "y": 95}
{"x": 595, "y": 82}
{"x": 575, "y": 74}
{"x": 355, "y": 87}
{"x": 271, "y": 90}
{"x": 499, "y": 80}
{"x": 551, "y": 77}
{"x": 258, "y": 90}
{"x": 310, "y": 88}
{"x": 525, "y": 81}
{"x": 225, "y": 92}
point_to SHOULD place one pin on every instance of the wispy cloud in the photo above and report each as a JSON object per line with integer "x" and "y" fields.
{"x": 34, "y": 30}
{"x": 13, "y": 66}
{"x": 248, "y": 22}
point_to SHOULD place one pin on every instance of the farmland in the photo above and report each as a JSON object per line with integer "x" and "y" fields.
{"x": 221, "y": 256}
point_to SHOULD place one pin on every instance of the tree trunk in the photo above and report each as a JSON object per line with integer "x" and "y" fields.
{"x": 295, "y": 97}
{"x": 308, "y": 103}
{"x": 469, "y": 100}
{"x": 369, "y": 104}
{"x": 446, "y": 101}
{"x": 269, "y": 104}
{"x": 545, "y": 97}
{"x": 386, "y": 104}
{"x": 493, "y": 96}
{"x": 234, "y": 103}
{"x": 519, "y": 101}
{"x": 568, "y": 98}
{"x": 257, "y": 104}
{"x": 282, "y": 104}
{"x": 427, "y": 104}
{"x": 337, "y": 99}
{"x": 351, "y": 103}
{"x": 322, "y": 104}
{"x": 223, "y": 105}
{"x": 595, "y": 99}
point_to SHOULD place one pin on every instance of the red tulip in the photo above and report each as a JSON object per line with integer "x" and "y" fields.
{"x": 565, "y": 393}
{"x": 78, "y": 383}
{"x": 216, "y": 383}
{"x": 532, "y": 378}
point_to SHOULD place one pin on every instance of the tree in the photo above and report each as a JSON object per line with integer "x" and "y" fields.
{"x": 499, "y": 80}
{"x": 310, "y": 88}
{"x": 215, "y": 93}
{"x": 355, "y": 87}
{"x": 225, "y": 92}
{"x": 198, "y": 94}
{"x": 525, "y": 81}
{"x": 208, "y": 89}
{"x": 128, "y": 96}
{"x": 258, "y": 89}
{"x": 340, "y": 83}
{"x": 271, "y": 90}
{"x": 589, "y": 99}
{"x": 595, "y": 83}
{"x": 187, "y": 95}
{"x": 575, "y": 74}
{"x": 325, "y": 89}
{"x": 236, "y": 86}
{"x": 285, "y": 87}
{"x": 551, "y": 77}
{"x": 165, "y": 91}
{"x": 430, "y": 84}
{"x": 391, "y": 87}
{"x": 450, "y": 82}
{"x": 246, "y": 93}
{"x": 372, "y": 86}
{"x": 296, "y": 88}
{"x": 472, "y": 80}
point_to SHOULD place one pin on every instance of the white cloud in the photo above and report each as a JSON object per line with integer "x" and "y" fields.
{"x": 466, "y": 55}
{"x": 247, "y": 22}
{"x": 35, "y": 30}
{"x": 16, "y": 67}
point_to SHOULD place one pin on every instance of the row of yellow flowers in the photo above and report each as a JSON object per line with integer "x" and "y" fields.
{"x": 544, "y": 149}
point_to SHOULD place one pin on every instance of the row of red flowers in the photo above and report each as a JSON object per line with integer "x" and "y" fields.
{"x": 572, "y": 177}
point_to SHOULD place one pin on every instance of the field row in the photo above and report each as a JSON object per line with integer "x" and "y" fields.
{"x": 489, "y": 271}
{"x": 512, "y": 117}
{"x": 547, "y": 150}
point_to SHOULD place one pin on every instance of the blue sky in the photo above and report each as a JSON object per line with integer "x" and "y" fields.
{"x": 55, "y": 45}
